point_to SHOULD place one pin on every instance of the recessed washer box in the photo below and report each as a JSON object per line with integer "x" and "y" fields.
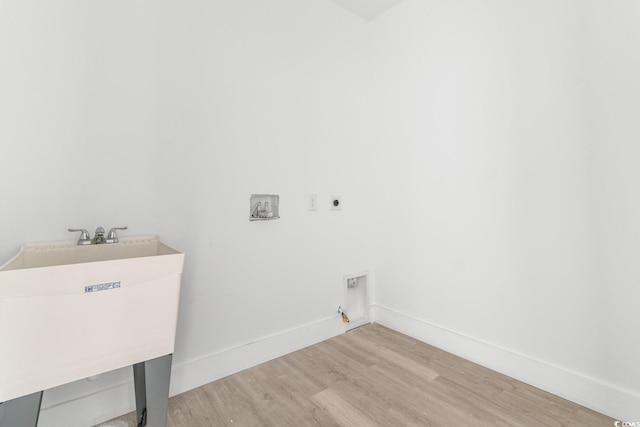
{"x": 356, "y": 299}
{"x": 69, "y": 312}
{"x": 264, "y": 207}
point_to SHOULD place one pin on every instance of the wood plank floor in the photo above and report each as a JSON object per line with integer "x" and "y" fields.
{"x": 371, "y": 376}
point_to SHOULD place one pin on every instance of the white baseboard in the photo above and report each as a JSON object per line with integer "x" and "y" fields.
{"x": 83, "y": 404}
{"x": 195, "y": 373}
{"x": 592, "y": 393}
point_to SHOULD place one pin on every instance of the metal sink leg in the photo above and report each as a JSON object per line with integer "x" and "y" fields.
{"x": 21, "y": 412}
{"x": 151, "y": 380}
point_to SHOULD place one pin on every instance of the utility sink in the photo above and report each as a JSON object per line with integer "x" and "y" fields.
{"x": 68, "y": 312}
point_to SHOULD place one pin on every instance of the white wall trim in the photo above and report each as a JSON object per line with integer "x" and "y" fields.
{"x": 117, "y": 399}
{"x": 598, "y": 395}
{"x": 189, "y": 375}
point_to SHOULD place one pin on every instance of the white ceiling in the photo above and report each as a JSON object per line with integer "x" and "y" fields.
{"x": 367, "y": 9}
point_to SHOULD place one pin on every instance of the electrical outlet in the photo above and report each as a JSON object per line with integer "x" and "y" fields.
{"x": 336, "y": 203}
{"x": 313, "y": 202}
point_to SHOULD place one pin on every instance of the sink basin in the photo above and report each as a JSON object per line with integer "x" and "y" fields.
{"x": 68, "y": 312}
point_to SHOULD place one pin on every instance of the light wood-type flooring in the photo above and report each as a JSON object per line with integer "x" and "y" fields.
{"x": 371, "y": 376}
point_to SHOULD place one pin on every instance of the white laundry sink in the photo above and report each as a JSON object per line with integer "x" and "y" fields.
{"x": 68, "y": 312}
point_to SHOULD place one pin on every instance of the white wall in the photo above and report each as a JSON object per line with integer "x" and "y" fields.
{"x": 263, "y": 98}
{"x": 506, "y": 134}
{"x": 78, "y": 84}
{"x": 613, "y": 70}
{"x": 166, "y": 117}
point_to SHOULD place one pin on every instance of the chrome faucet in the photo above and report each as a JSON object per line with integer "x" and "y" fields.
{"x": 99, "y": 238}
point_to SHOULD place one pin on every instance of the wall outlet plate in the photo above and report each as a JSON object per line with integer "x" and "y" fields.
{"x": 336, "y": 203}
{"x": 312, "y": 202}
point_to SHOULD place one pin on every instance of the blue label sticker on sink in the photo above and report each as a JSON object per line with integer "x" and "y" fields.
{"x": 101, "y": 287}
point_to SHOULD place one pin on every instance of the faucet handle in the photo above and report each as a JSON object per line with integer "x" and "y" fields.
{"x": 84, "y": 239}
{"x": 112, "y": 236}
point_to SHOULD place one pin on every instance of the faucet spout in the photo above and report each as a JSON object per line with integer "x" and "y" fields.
{"x": 99, "y": 237}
